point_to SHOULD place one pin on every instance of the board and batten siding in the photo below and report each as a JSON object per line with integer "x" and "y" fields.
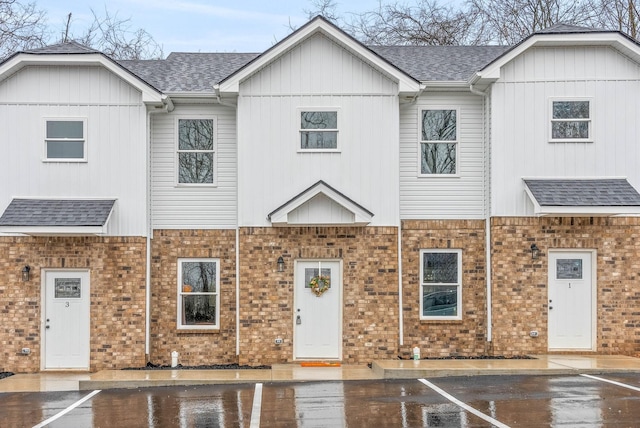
{"x": 318, "y": 73}
{"x": 116, "y": 165}
{"x": 193, "y": 207}
{"x": 521, "y": 103}
{"x": 441, "y": 196}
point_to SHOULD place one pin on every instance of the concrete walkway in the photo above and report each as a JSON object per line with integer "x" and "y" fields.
{"x": 386, "y": 369}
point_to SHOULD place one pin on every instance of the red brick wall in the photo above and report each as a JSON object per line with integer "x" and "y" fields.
{"x": 195, "y": 347}
{"x": 520, "y": 283}
{"x": 370, "y": 289}
{"x": 117, "y": 275}
{"x": 435, "y": 338}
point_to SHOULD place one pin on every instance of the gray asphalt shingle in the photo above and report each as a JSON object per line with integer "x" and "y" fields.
{"x": 583, "y": 193}
{"x": 57, "y": 212}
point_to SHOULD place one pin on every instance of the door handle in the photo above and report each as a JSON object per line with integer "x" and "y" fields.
{"x": 550, "y": 307}
{"x": 298, "y": 320}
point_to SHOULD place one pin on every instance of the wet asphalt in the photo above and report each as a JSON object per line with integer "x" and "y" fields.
{"x": 481, "y": 401}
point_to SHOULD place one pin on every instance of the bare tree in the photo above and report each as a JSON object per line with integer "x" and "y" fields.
{"x": 425, "y": 23}
{"x": 22, "y": 26}
{"x": 326, "y": 8}
{"x": 114, "y": 36}
{"x": 621, "y": 15}
{"x": 509, "y": 22}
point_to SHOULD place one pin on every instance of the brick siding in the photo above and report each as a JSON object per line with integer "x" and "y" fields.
{"x": 466, "y": 337}
{"x": 370, "y": 289}
{"x": 520, "y": 284}
{"x": 196, "y": 347}
{"x": 117, "y": 281}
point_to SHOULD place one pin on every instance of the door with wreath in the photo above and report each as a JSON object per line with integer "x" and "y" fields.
{"x": 317, "y": 310}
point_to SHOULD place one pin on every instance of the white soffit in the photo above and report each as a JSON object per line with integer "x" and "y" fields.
{"x": 321, "y": 195}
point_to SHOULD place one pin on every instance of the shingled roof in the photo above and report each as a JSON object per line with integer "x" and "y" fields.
{"x": 584, "y": 193}
{"x": 57, "y": 212}
{"x": 188, "y": 72}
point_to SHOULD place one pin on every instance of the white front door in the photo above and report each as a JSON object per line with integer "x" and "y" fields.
{"x": 317, "y": 313}
{"x": 571, "y": 302}
{"x": 66, "y": 319}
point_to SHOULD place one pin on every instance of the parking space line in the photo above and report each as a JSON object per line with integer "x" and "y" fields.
{"x": 257, "y": 406}
{"x": 624, "y": 385}
{"x": 67, "y": 410}
{"x": 459, "y": 403}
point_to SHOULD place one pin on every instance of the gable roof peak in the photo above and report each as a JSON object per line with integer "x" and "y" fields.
{"x": 564, "y": 28}
{"x": 68, "y": 47}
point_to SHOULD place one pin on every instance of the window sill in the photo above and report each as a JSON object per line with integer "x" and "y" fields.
{"x": 570, "y": 141}
{"x": 439, "y": 176}
{"x": 198, "y": 331}
{"x": 319, "y": 151}
{"x": 441, "y": 320}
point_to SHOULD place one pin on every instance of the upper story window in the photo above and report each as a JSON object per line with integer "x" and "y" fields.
{"x": 319, "y": 130}
{"x": 198, "y": 293}
{"x": 441, "y": 284}
{"x": 571, "y": 120}
{"x": 65, "y": 140}
{"x": 438, "y": 142}
{"x": 196, "y": 151}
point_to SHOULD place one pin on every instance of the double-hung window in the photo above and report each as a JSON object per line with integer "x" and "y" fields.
{"x": 198, "y": 293}
{"x": 438, "y": 142}
{"x": 440, "y": 284}
{"x": 571, "y": 121}
{"x": 196, "y": 151}
{"x": 65, "y": 140}
{"x": 319, "y": 130}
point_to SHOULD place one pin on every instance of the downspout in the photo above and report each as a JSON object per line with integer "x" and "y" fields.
{"x": 423, "y": 87}
{"x": 216, "y": 89}
{"x": 487, "y": 221}
{"x": 166, "y": 108}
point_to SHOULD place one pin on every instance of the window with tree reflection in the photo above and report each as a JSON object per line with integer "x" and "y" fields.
{"x": 318, "y": 130}
{"x": 438, "y": 142}
{"x": 196, "y": 152}
{"x": 441, "y": 284}
{"x": 198, "y": 293}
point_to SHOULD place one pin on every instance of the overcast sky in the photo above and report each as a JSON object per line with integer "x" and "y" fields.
{"x": 199, "y": 25}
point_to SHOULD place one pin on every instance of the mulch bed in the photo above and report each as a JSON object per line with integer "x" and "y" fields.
{"x": 151, "y": 366}
{"x": 477, "y": 357}
{"x": 5, "y": 374}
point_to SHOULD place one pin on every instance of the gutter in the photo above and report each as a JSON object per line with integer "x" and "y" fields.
{"x": 487, "y": 221}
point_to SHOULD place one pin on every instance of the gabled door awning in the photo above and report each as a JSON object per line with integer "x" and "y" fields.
{"x": 57, "y": 216}
{"x": 592, "y": 197}
{"x": 318, "y": 205}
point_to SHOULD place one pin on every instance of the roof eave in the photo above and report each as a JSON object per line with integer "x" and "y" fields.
{"x": 55, "y": 230}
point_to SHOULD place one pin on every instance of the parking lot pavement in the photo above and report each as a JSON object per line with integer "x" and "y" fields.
{"x": 477, "y": 401}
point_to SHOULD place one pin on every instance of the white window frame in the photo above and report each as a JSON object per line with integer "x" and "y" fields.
{"x": 46, "y": 140}
{"x": 458, "y": 284}
{"x": 456, "y": 141}
{"x": 214, "y": 150}
{"x": 300, "y": 130}
{"x": 589, "y": 121}
{"x": 182, "y": 292}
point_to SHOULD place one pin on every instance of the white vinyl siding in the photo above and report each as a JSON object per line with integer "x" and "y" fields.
{"x": 115, "y": 129}
{"x": 459, "y": 196}
{"x": 318, "y": 75}
{"x": 520, "y": 124}
{"x": 188, "y": 206}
